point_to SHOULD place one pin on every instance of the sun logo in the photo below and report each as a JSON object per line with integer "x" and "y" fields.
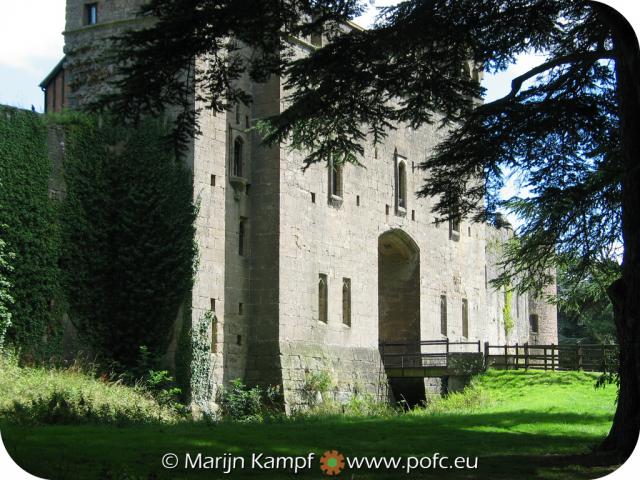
{"x": 332, "y": 462}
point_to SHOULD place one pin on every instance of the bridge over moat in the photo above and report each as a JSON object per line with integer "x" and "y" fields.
{"x": 443, "y": 358}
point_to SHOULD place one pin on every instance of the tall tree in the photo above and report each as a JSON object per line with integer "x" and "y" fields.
{"x": 568, "y": 127}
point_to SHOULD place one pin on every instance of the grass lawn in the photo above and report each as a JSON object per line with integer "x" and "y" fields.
{"x": 520, "y": 425}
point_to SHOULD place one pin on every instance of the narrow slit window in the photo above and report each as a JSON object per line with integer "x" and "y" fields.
{"x": 237, "y": 157}
{"x": 91, "y": 14}
{"x": 322, "y": 298}
{"x": 336, "y": 181}
{"x": 454, "y": 228}
{"x": 443, "y": 315}
{"x": 346, "y": 301}
{"x": 465, "y": 318}
{"x": 402, "y": 185}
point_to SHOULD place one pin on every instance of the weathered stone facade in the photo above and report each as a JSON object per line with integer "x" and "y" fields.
{"x": 308, "y": 271}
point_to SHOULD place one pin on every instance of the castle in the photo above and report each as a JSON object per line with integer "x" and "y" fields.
{"x": 310, "y": 271}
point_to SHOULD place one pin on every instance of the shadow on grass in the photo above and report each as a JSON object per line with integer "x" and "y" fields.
{"x": 521, "y": 443}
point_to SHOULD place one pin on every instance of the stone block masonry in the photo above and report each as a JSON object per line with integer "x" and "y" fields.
{"x": 268, "y": 233}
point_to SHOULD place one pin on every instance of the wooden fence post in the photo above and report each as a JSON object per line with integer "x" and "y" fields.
{"x": 517, "y": 357}
{"x": 553, "y": 357}
{"x": 545, "y": 358}
{"x": 506, "y": 358}
{"x": 604, "y": 358}
{"x": 579, "y": 356}
{"x": 447, "y": 357}
{"x": 486, "y": 355}
{"x": 526, "y": 355}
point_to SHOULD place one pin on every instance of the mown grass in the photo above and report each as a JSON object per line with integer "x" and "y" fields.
{"x": 520, "y": 425}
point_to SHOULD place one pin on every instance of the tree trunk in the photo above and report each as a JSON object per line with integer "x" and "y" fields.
{"x": 625, "y": 292}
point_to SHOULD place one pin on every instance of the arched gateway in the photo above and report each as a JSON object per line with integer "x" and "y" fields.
{"x": 399, "y": 306}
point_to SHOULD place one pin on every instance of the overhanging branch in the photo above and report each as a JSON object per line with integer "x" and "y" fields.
{"x": 516, "y": 83}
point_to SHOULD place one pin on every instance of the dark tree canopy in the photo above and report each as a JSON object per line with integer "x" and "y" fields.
{"x": 196, "y": 46}
{"x": 568, "y": 127}
{"x": 585, "y": 314}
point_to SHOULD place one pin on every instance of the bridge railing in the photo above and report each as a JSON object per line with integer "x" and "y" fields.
{"x": 444, "y": 354}
{"x": 425, "y": 353}
{"x": 587, "y": 357}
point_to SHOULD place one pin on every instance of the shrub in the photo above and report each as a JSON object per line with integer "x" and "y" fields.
{"x": 316, "y": 384}
{"x": 241, "y": 403}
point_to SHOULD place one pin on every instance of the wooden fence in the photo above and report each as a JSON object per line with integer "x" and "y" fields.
{"x": 591, "y": 358}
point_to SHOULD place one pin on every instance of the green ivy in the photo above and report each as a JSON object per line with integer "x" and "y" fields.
{"x": 6, "y": 300}
{"x": 128, "y": 236}
{"x": 117, "y": 253}
{"x": 506, "y": 310}
{"x": 201, "y": 370}
{"x": 32, "y": 234}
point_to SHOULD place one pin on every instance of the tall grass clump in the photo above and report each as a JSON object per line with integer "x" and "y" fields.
{"x": 52, "y": 395}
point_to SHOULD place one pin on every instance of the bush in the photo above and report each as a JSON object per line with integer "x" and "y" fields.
{"x": 244, "y": 404}
{"x": 73, "y": 395}
{"x": 316, "y": 384}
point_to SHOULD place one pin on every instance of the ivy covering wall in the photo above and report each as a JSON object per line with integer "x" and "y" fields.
{"x": 31, "y": 233}
{"x": 116, "y": 254}
{"x": 129, "y": 231}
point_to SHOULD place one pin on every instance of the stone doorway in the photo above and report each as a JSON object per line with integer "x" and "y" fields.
{"x": 399, "y": 306}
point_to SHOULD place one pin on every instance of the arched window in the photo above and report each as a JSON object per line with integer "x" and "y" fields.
{"x": 402, "y": 185}
{"x": 237, "y": 157}
{"x": 443, "y": 315}
{"x": 336, "y": 180}
{"x": 465, "y": 318}
{"x": 323, "y": 293}
{"x": 346, "y": 301}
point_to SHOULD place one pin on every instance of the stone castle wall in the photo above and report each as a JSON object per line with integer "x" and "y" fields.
{"x": 265, "y": 296}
